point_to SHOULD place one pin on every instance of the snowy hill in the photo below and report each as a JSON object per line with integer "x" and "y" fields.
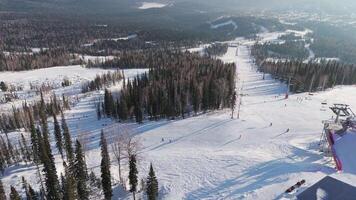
{"x": 272, "y": 146}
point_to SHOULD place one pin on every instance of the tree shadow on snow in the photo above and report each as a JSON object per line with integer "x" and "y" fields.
{"x": 260, "y": 175}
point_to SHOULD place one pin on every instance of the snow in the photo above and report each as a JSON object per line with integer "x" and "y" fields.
{"x": 211, "y": 156}
{"x": 149, "y": 5}
{"x": 229, "y": 22}
{"x": 344, "y": 146}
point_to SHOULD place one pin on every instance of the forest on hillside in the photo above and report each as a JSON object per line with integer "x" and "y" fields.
{"x": 178, "y": 84}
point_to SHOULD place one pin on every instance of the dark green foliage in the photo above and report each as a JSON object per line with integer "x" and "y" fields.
{"x": 49, "y": 169}
{"x": 14, "y": 195}
{"x": 216, "y": 49}
{"x": 67, "y": 141}
{"x": 32, "y": 194}
{"x": 108, "y": 103}
{"x": 101, "y": 81}
{"x": 310, "y": 76}
{"x": 3, "y": 86}
{"x": 58, "y": 135}
{"x": 152, "y": 185}
{"x": 287, "y": 50}
{"x": 68, "y": 184}
{"x": 176, "y": 81}
{"x": 105, "y": 168}
{"x": 81, "y": 173}
{"x": 34, "y": 139}
{"x": 133, "y": 175}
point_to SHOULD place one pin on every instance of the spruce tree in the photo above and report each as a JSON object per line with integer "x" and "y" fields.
{"x": 34, "y": 140}
{"x": 81, "y": 172}
{"x": 32, "y": 194}
{"x": 2, "y": 191}
{"x": 105, "y": 168}
{"x": 67, "y": 141}
{"x": 68, "y": 185}
{"x": 152, "y": 185}
{"x": 49, "y": 168}
{"x": 26, "y": 148}
{"x": 14, "y": 195}
{"x": 58, "y": 135}
{"x": 133, "y": 175}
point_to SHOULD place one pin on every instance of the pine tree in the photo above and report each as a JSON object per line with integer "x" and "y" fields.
{"x": 49, "y": 168}
{"x": 133, "y": 175}
{"x": 34, "y": 140}
{"x": 2, "y": 191}
{"x": 68, "y": 185}
{"x": 58, "y": 135}
{"x": 14, "y": 195}
{"x": 26, "y": 148}
{"x": 105, "y": 168}
{"x": 32, "y": 194}
{"x": 152, "y": 185}
{"x": 67, "y": 141}
{"x": 44, "y": 126}
{"x": 81, "y": 173}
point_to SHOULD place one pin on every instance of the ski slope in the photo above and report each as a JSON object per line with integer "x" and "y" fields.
{"x": 272, "y": 146}
{"x": 215, "y": 157}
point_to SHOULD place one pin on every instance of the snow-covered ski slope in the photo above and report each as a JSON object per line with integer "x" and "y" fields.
{"x": 212, "y": 156}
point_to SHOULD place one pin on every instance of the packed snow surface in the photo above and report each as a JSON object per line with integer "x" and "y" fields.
{"x": 272, "y": 146}
{"x": 149, "y": 5}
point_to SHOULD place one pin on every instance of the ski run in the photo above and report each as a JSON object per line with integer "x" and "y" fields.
{"x": 272, "y": 146}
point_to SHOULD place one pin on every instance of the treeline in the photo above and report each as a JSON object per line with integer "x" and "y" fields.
{"x": 18, "y": 118}
{"x": 216, "y": 49}
{"x": 18, "y": 61}
{"x": 177, "y": 84}
{"x": 75, "y": 182}
{"x": 288, "y": 50}
{"x": 312, "y": 76}
{"x": 101, "y": 81}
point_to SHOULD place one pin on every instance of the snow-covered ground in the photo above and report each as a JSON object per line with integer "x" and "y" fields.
{"x": 229, "y": 22}
{"x": 149, "y": 5}
{"x": 272, "y": 146}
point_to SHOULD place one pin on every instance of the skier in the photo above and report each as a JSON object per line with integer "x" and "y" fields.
{"x": 287, "y": 130}
{"x": 270, "y": 124}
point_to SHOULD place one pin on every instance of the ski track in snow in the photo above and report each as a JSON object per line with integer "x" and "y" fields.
{"x": 212, "y": 156}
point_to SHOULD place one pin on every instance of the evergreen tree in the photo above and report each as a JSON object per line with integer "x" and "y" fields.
{"x": 81, "y": 173}
{"x": 32, "y": 194}
{"x": 14, "y": 195}
{"x": 67, "y": 141}
{"x": 152, "y": 185}
{"x": 34, "y": 140}
{"x": 49, "y": 168}
{"x": 68, "y": 184}
{"x": 2, "y": 191}
{"x": 44, "y": 126}
{"x": 58, "y": 135}
{"x": 105, "y": 168}
{"x": 133, "y": 175}
{"x": 26, "y": 148}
